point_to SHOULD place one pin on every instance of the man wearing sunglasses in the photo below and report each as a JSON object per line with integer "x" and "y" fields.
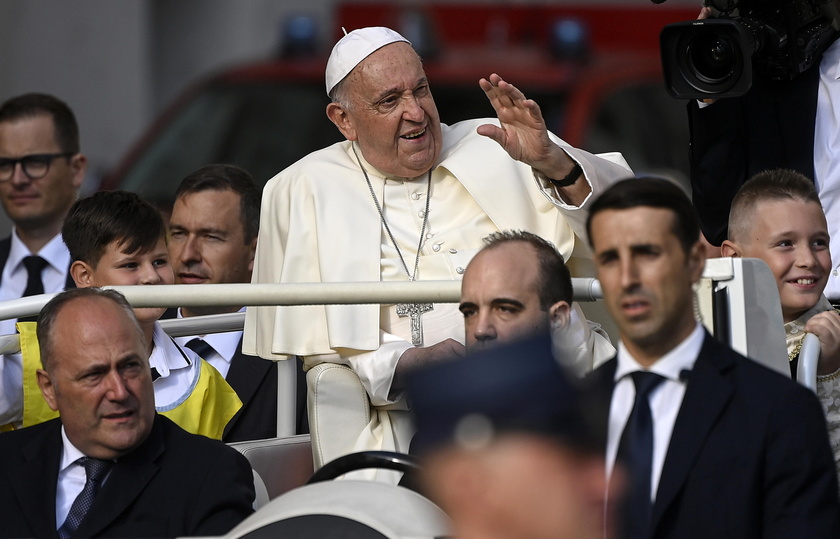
{"x": 41, "y": 171}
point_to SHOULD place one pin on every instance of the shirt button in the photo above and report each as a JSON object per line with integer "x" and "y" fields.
{"x": 459, "y": 270}
{"x": 421, "y": 213}
{"x": 415, "y": 196}
{"x": 453, "y": 251}
{"x": 834, "y": 273}
{"x": 436, "y": 247}
{"x": 430, "y": 235}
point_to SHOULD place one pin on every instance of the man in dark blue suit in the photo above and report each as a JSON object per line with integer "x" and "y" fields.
{"x": 712, "y": 444}
{"x": 110, "y": 466}
{"x": 213, "y": 237}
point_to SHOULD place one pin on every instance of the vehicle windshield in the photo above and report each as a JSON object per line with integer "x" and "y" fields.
{"x": 260, "y": 127}
{"x": 266, "y": 126}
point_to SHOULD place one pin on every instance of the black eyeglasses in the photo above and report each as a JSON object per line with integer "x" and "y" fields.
{"x": 35, "y": 166}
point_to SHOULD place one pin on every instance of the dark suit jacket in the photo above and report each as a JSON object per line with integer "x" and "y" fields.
{"x": 734, "y": 138}
{"x": 749, "y": 455}
{"x": 173, "y": 484}
{"x": 255, "y": 381}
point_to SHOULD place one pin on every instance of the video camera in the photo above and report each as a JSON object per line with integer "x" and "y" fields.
{"x": 774, "y": 39}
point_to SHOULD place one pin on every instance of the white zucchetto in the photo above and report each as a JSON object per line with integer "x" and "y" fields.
{"x": 355, "y": 47}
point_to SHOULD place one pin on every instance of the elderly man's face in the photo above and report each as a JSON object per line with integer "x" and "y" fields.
{"x": 646, "y": 277}
{"x": 500, "y": 296}
{"x": 392, "y": 114}
{"x": 99, "y": 378}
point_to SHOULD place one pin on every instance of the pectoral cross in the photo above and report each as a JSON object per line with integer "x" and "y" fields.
{"x": 415, "y": 311}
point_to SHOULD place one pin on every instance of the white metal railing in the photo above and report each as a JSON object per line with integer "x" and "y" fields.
{"x": 203, "y": 295}
{"x": 233, "y": 295}
{"x": 809, "y": 356}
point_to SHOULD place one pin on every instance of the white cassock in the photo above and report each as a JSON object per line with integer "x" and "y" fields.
{"x": 319, "y": 223}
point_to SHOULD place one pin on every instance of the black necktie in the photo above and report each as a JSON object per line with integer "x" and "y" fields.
{"x": 200, "y": 347}
{"x": 635, "y": 453}
{"x": 34, "y": 284}
{"x": 95, "y": 470}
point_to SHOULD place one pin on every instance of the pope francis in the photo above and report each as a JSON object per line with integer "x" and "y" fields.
{"x": 406, "y": 198}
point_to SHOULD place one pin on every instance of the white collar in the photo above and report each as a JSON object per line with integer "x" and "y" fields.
{"x": 372, "y": 170}
{"x": 54, "y": 252}
{"x": 166, "y": 355}
{"x": 680, "y": 358}
{"x": 70, "y": 453}
{"x": 225, "y": 344}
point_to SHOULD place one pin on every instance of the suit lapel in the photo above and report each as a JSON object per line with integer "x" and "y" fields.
{"x": 35, "y": 481}
{"x": 5, "y": 249}
{"x": 245, "y": 376}
{"x": 600, "y": 386}
{"x": 128, "y": 478}
{"x": 707, "y": 393}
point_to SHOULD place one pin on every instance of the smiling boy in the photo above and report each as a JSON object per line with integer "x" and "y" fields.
{"x": 777, "y": 217}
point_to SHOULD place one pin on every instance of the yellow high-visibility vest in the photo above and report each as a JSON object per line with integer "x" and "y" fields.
{"x": 206, "y": 410}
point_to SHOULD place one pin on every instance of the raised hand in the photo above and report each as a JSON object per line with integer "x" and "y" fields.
{"x": 524, "y": 135}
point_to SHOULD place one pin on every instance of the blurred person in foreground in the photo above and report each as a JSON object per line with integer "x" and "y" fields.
{"x": 110, "y": 466}
{"x": 505, "y": 447}
{"x": 713, "y": 444}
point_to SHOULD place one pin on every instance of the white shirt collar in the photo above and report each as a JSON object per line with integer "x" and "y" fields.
{"x": 166, "y": 355}
{"x": 225, "y": 344}
{"x": 681, "y": 357}
{"x": 70, "y": 453}
{"x": 54, "y": 252}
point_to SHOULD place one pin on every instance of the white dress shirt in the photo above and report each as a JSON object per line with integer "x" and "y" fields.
{"x": 14, "y": 277}
{"x": 827, "y": 157}
{"x": 71, "y": 480}
{"x": 225, "y": 346}
{"x": 665, "y": 399}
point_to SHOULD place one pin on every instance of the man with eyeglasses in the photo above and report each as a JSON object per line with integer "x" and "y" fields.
{"x": 41, "y": 171}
